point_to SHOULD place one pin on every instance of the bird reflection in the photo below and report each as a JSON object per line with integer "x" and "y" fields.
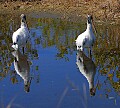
{"x": 88, "y": 69}
{"x": 22, "y": 68}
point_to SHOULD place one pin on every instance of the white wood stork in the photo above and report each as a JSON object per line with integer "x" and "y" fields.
{"x": 21, "y": 36}
{"x": 87, "y": 38}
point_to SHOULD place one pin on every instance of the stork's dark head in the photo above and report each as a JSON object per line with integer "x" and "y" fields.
{"x": 23, "y": 17}
{"x": 89, "y": 19}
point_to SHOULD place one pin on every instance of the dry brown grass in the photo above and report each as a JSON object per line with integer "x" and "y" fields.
{"x": 68, "y": 9}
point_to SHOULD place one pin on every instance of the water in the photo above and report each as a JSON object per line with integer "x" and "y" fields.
{"x": 54, "y": 78}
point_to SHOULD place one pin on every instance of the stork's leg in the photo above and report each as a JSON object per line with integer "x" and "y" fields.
{"x": 23, "y": 50}
{"x": 90, "y": 52}
{"x": 15, "y": 59}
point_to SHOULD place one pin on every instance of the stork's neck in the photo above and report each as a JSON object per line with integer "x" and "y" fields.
{"x": 89, "y": 27}
{"x": 23, "y": 23}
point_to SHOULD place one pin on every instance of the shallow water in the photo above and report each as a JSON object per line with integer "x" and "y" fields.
{"x": 54, "y": 69}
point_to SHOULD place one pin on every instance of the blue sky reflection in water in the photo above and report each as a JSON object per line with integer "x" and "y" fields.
{"x": 55, "y": 80}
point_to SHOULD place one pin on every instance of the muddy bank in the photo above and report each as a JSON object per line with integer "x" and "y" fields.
{"x": 70, "y": 10}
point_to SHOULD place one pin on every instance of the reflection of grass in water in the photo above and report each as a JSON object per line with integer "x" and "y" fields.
{"x": 60, "y": 33}
{"x": 107, "y": 54}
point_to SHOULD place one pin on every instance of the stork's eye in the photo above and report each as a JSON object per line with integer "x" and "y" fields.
{"x": 79, "y": 46}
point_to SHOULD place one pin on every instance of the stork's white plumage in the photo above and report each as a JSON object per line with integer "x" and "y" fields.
{"x": 21, "y": 36}
{"x": 87, "y": 38}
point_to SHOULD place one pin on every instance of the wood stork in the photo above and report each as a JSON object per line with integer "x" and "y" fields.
{"x": 21, "y": 36}
{"x": 88, "y": 69}
{"x": 87, "y": 38}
